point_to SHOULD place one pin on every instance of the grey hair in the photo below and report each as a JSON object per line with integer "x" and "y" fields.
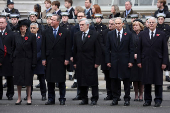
{"x": 113, "y": 19}
{"x": 119, "y": 19}
{"x": 86, "y": 21}
{"x": 129, "y": 2}
{"x": 58, "y": 17}
{"x": 152, "y": 18}
{"x": 34, "y": 24}
{"x": 116, "y": 7}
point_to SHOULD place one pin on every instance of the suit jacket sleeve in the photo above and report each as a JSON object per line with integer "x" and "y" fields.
{"x": 165, "y": 50}
{"x": 131, "y": 49}
{"x": 34, "y": 50}
{"x": 68, "y": 46}
{"x": 43, "y": 46}
{"x": 139, "y": 60}
{"x": 98, "y": 50}
{"x": 74, "y": 50}
{"x": 108, "y": 49}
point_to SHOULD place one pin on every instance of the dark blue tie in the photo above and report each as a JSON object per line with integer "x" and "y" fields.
{"x": 55, "y": 33}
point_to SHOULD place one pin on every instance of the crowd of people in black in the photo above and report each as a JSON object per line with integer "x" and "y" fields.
{"x": 135, "y": 53}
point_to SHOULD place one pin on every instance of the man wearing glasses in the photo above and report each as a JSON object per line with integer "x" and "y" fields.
{"x": 153, "y": 59}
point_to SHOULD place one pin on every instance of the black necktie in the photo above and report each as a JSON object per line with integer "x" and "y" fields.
{"x": 152, "y": 36}
{"x": 84, "y": 36}
{"x": 118, "y": 39}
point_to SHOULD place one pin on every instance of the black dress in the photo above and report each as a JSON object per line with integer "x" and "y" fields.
{"x": 136, "y": 72}
{"x": 24, "y": 58}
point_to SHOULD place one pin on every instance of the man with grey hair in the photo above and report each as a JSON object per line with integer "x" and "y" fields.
{"x": 119, "y": 58}
{"x": 153, "y": 59}
{"x": 86, "y": 60}
{"x": 128, "y": 11}
{"x": 56, "y": 53}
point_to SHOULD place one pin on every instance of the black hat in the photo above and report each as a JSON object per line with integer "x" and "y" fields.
{"x": 14, "y": 16}
{"x": 10, "y": 2}
{"x": 24, "y": 22}
{"x": 139, "y": 20}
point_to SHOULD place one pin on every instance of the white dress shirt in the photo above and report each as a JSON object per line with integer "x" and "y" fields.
{"x": 121, "y": 33}
{"x": 68, "y": 10}
{"x": 150, "y": 33}
{"x": 85, "y": 34}
{"x": 2, "y": 31}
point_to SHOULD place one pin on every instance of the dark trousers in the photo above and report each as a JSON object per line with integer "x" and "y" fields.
{"x": 84, "y": 93}
{"x": 116, "y": 88}
{"x": 51, "y": 91}
{"x": 43, "y": 89}
{"x": 10, "y": 86}
{"x": 158, "y": 93}
{"x": 108, "y": 83}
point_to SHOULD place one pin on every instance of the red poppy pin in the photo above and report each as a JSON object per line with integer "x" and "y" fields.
{"x": 38, "y": 37}
{"x": 157, "y": 34}
{"x": 6, "y": 33}
{"x": 60, "y": 34}
{"x": 5, "y": 50}
{"x": 26, "y": 38}
{"x": 125, "y": 33}
{"x": 88, "y": 36}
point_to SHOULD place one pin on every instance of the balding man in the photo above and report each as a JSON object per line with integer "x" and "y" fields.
{"x": 152, "y": 58}
{"x": 128, "y": 11}
{"x": 119, "y": 58}
{"x": 86, "y": 57}
{"x": 56, "y": 52}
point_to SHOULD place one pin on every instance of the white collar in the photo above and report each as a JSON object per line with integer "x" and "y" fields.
{"x": 36, "y": 34}
{"x": 3, "y": 30}
{"x": 68, "y": 10}
{"x": 121, "y": 31}
{"x": 86, "y": 32}
{"x": 56, "y": 28}
{"x": 151, "y": 31}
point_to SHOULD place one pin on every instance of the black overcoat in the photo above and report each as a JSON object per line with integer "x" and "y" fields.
{"x": 86, "y": 54}
{"x": 119, "y": 57}
{"x": 55, "y": 52}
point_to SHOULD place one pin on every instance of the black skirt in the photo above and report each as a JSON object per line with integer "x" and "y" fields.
{"x": 136, "y": 73}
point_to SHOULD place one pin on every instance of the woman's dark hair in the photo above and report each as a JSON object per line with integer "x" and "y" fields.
{"x": 37, "y": 8}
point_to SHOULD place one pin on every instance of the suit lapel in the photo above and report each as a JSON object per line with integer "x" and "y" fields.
{"x": 51, "y": 34}
{"x": 38, "y": 38}
{"x": 89, "y": 35}
{"x": 123, "y": 36}
{"x": 26, "y": 37}
{"x": 5, "y": 33}
{"x": 114, "y": 38}
{"x": 155, "y": 37}
{"x": 148, "y": 36}
{"x": 59, "y": 36}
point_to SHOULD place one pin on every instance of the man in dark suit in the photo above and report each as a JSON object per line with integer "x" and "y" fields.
{"x": 119, "y": 57}
{"x": 88, "y": 9}
{"x": 86, "y": 59}
{"x": 56, "y": 52}
{"x": 74, "y": 30}
{"x": 128, "y": 11}
{"x": 104, "y": 67}
{"x": 10, "y": 8}
{"x": 68, "y": 4}
{"x": 39, "y": 69}
{"x": 6, "y": 67}
{"x": 152, "y": 58}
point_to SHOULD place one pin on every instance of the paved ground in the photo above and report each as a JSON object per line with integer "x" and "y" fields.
{"x": 73, "y": 107}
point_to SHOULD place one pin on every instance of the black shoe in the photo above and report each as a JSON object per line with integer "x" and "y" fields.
{"x": 38, "y": 85}
{"x": 167, "y": 78}
{"x": 10, "y": 98}
{"x": 119, "y": 99}
{"x": 44, "y": 98}
{"x": 114, "y": 102}
{"x": 93, "y": 103}
{"x": 5, "y": 85}
{"x": 147, "y": 104}
{"x": 49, "y": 103}
{"x": 140, "y": 100}
{"x": 57, "y": 85}
{"x": 168, "y": 87}
{"x": 29, "y": 103}
{"x": 18, "y": 103}
{"x": 131, "y": 87}
{"x": 157, "y": 104}
{"x": 70, "y": 77}
{"x": 0, "y": 97}
{"x": 83, "y": 102}
{"x": 62, "y": 102}
{"x": 77, "y": 98}
{"x": 74, "y": 85}
{"x": 26, "y": 98}
{"x": 136, "y": 100}
{"x": 108, "y": 98}
{"x": 127, "y": 103}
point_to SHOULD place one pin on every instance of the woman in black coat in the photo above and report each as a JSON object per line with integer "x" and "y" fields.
{"x": 136, "y": 73}
{"x": 24, "y": 58}
{"x": 115, "y": 12}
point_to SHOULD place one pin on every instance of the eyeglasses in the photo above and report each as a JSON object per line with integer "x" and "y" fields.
{"x": 151, "y": 22}
{"x": 80, "y": 16}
